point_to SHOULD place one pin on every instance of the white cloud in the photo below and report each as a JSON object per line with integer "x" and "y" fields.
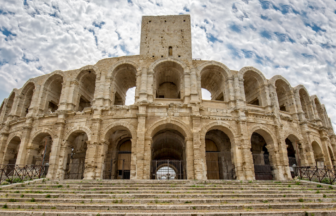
{"x": 295, "y": 39}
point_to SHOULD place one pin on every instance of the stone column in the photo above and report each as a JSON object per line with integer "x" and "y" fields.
{"x": 189, "y": 158}
{"x": 13, "y": 115}
{"x": 199, "y": 150}
{"x": 63, "y": 102}
{"x": 3, "y": 142}
{"x": 65, "y": 149}
{"x": 230, "y": 94}
{"x": 300, "y": 112}
{"x": 108, "y": 87}
{"x": 147, "y": 158}
{"x": 325, "y": 143}
{"x": 98, "y": 100}
{"x": 133, "y": 159}
{"x": 194, "y": 97}
{"x": 56, "y": 159}
{"x": 239, "y": 158}
{"x": 72, "y": 95}
{"x": 150, "y": 83}
{"x": 143, "y": 86}
{"x": 187, "y": 87}
{"x": 21, "y": 158}
{"x": 267, "y": 100}
{"x": 141, "y": 143}
{"x": 100, "y": 160}
{"x": 295, "y": 113}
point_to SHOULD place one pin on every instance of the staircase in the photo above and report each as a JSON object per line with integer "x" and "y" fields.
{"x": 167, "y": 197}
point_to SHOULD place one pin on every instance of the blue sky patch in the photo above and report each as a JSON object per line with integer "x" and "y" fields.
{"x": 99, "y": 25}
{"x": 268, "y": 5}
{"x": 212, "y": 38}
{"x": 266, "y": 34}
{"x": 235, "y": 28}
{"x": 283, "y": 37}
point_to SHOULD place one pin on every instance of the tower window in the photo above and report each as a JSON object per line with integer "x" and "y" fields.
{"x": 170, "y": 51}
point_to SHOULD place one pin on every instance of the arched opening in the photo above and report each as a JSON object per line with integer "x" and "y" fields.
{"x": 12, "y": 151}
{"x": 212, "y": 79}
{"x": 284, "y": 98}
{"x": 39, "y": 150}
{"x": 125, "y": 80}
{"x": 87, "y": 86}
{"x": 304, "y": 99}
{"x": 218, "y": 155}
{"x": 318, "y": 155}
{"x": 9, "y": 106}
{"x": 52, "y": 93}
{"x": 26, "y": 99}
{"x": 130, "y": 96}
{"x": 118, "y": 157}
{"x": 253, "y": 88}
{"x": 292, "y": 144}
{"x": 168, "y": 150}
{"x": 261, "y": 158}
{"x": 319, "y": 110}
{"x": 168, "y": 80}
{"x": 75, "y": 155}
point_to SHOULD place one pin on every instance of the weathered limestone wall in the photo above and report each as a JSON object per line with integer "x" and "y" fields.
{"x": 106, "y": 124}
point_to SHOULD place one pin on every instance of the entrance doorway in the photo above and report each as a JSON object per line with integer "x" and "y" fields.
{"x": 168, "y": 155}
{"x": 218, "y": 155}
{"x": 261, "y": 160}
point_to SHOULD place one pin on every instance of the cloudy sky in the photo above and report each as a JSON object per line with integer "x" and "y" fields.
{"x": 293, "y": 38}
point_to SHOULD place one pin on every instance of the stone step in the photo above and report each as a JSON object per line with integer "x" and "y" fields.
{"x": 269, "y": 212}
{"x": 169, "y": 200}
{"x": 176, "y": 207}
{"x": 170, "y": 196}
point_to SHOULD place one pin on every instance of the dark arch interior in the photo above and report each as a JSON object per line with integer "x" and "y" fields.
{"x": 87, "y": 86}
{"x": 41, "y": 149}
{"x": 12, "y": 151}
{"x": 168, "y": 149}
{"x": 118, "y": 155}
{"x": 212, "y": 80}
{"x": 261, "y": 158}
{"x": 125, "y": 79}
{"x": 218, "y": 155}
{"x": 251, "y": 88}
{"x": 76, "y": 153}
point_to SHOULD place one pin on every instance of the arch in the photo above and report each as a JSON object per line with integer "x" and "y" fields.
{"x": 119, "y": 125}
{"x": 42, "y": 131}
{"x": 123, "y": 77}
{"x": 304, "y": 100}
{"x": 225, "y": 70}
{"x": 284, "y": 94}
{"x": 171, "y": 124}
{"x": 263, "y": 153}
{"x": 168, "y": 80}
{"x": 39, "y": 148}
{"x": 332, "y": 155}
{"x": 213, "y": 78}
{"x": 112, "y": 71}
{"x": 159, "y": 61}
{"x": 92, "y": 68}
{"x": 86, "y": 78}
{"x": 25, "y": 101}
{"x": 219, "y": 125}
{"x": 319, "y": 109}
{"x": 9, "y": 105}
{"x": 79, "y": 129}
{"x": 254, "y": 84}
{"x": 317, "y": 150}
{"x": 12, "y": 150}
{"x": 52, "y": 90}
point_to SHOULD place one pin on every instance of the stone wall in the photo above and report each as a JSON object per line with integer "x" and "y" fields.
{"x": 243, "y": 103}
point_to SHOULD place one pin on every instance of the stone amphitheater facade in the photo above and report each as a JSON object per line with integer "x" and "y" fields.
{"x": 77, "y": 122}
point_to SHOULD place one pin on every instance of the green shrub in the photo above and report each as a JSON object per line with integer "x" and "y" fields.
{"x": 48, "y": 196}
{"x": 300, "y": 200}
{"x": 324, "y": 196}
{"x": 12, "y": 200}
{"x": 5, "y": 206}
{"x": 319, "y": 186}
{"x": 22, "y": 196}
{"x": 32, "y": 200}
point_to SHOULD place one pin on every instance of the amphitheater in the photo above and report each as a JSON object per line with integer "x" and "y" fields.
{"x": 76, "y": 123}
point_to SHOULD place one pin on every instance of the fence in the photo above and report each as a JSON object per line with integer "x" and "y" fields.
{"x": 168, "y": 169}
{"x": 117, "y": 169}
{"x": 12, "y": 173}
{"x": 322, "y": 175}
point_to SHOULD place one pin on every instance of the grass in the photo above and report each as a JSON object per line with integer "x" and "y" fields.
{"x": 48, "y": 196}
{"x": 22, "y": 196}
{"x": 300, "y": 200}
{"x": 324, "y": 196}
{"x": 330, "y": 187}
{"x": 12, "y": 200}
{"x": 319, "y": 186}
{"x": 186, "y": 202}
{"x": 297, "y": 183}
{"x": 5, "y": 206}
{"x": 32, "y": 200}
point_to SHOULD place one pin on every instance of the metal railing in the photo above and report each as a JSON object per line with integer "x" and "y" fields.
{"x": 322, "y": 175}
{"x": 18, "y": 173}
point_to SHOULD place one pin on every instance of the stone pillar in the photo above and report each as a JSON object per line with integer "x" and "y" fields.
{"x": 147, "y": 158}
{"x": 21, "y": 158}
{"x": 93, "y": 159}
{"x": 300, "y": 112}
{"x": 325, "y": 143}
{"x": 194, "y": 97}
{"x": 189, "y": 158}
{"x": 13, "y": 115}
{"x": 141, "y": 143}
{"x": 267, "y": 100}
{"x": 143, "y": 86}
{"x": 199, "y": 150}
{"x": 231, "y": 96}
{"x": 239, "y": 159}
{"x": 3, "y": 142}
{"x": 150, "y": 83}
{"x": 133, "y": 159}
{"x": 100, "y": 160}
{"x": 64, "y": 151}
{"x": 98, "y": 100}
{"x": 72, "y": 95}
{"x": 108, "y": 87}
{"x": 57, "y": 158}
{"x": 294, "y": 112}
{"x": 63, "y": 102}
{"x": 187, "y": 87}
